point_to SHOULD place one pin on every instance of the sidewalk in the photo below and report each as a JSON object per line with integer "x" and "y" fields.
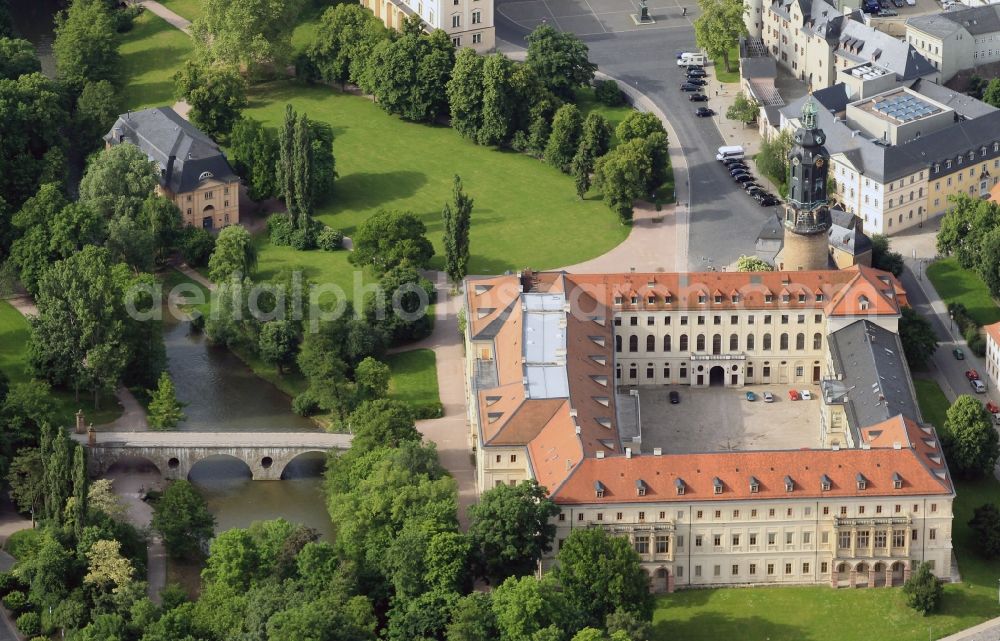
{"x": 175, "y": 20}
{"x": 987, "y": 631}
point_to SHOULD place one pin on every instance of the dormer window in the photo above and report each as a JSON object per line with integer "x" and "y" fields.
{"x": 651, "y": 300}
{"x": 897, "y": 481}
{"x": 861, "y": 481}
{"x": 754, "y": 485}
{"x": 802, "y": 298}
{"x": 668, "y": 299}
{"x": 640, "y": 487}
{"x": 599, "y": 489}
{"x": 717, "y": 485}
{"x": 768, "y": 298}
{"x": 701, "y": 299}
{"x": 785, "y": 298}
{"x": 205, "y": 175}
{"x": 735, "y": 298}
{"x": 824, "y": 483}
{"x": 947, "y": 164}
{"x": 863, "y": 302}
{"x": 635, "y": 300}
{"x": 680, "y": 485}
{"x": 718, "y": 299}
{"x": 618, "y": 300}
{"x": 789, "y": 484}
{"x": 819, "y": 297}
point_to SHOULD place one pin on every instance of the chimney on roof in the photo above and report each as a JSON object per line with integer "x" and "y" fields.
{"x": 628, "y": 452}
{"x": 657, "y": 451}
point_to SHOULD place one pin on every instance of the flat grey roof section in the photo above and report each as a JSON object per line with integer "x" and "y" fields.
{"x": 545, "y": 345}
{"x": 975, "y": 20}
{"x": 875, "y": 380}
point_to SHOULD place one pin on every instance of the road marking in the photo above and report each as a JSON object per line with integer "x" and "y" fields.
{"x": 595, "y": 16}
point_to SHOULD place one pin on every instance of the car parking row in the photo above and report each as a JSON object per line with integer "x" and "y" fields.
{"x": 695, "y": 82}
{"x": 740, "y": 172}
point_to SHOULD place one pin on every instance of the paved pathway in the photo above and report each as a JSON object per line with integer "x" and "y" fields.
{"x": 133, "y": 418}
{"x": 175, "y": 20}
{"x": 986, "y": 631}
{"x": 196, "y": 276}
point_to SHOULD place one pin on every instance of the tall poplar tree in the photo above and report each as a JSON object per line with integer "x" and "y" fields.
{"x": 301, "y": 170}
{"x": 79, "y": 491}
{"x": 58, "y": 477}
{"x": 498, "y": 100}
{"x": 286, "y": 159}
{"x": 457, "y": 217}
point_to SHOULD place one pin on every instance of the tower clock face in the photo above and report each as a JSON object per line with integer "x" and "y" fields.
{"x": 819, "y": 161}
{"x": 795, "y": 161}
{"x": 819, "y": 139}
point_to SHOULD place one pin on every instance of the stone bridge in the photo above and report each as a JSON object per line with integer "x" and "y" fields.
{"x": 175, "y": 453}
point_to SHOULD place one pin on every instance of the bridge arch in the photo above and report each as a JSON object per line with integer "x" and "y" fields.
{"x": 236, "y": 462}
{"x": 126, "y": 459}
{"x": 299, "y": 457}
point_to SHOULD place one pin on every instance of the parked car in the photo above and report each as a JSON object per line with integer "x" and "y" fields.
{"x": 806, "y": 395}
{"x": 972, "y": 375}
{"x": 769, "y": 201}
{"x": 704, "y": 112}
{"x": 992, "y": 407}
{"x": 911, "y": 3}
{"x": 793, "y": 395}
{"x": 978, "y": 386}
{"x": 690, "y": 87}
{"x": 701, "y": 82}
{"x": 768, "y": 397}
{"x": 751, "y": 396}
{"x": 698, "y": 97}
{"x": 675, "y": 398}
{"x": 958, "y": 354}
{"x": 899, "y": 3}
{"x": 742, "y": 178}
{"x": 729, "y": 162}
{"x": 736, "y": 164}
{"x": 696, "y": 72}
{"x": 751, "y": 187}
{"x": 694, "y": 67}
{"x": 738, "y": 169}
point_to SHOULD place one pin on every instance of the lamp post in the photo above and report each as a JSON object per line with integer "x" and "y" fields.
{"x": 951, "y": 326}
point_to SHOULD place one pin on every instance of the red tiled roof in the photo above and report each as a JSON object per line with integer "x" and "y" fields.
{"x": 993, "y": 331}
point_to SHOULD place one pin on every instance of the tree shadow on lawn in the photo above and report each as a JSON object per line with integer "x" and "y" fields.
{"x": 710, "y": 626}
{"x": 160, "y": 94}
{"x": 365, "y": 190}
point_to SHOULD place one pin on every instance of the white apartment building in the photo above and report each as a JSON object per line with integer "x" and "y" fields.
{"x": 469, "y": 23}
{"x": 957, "y": 39}
{"x": 993, "y": 354}
{"x": 550, "y": 355}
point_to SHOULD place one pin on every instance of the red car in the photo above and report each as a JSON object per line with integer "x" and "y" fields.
{"x": 972, "y": 375}
{"x": 793, "y": 394}
{"x": 992, "y": 408}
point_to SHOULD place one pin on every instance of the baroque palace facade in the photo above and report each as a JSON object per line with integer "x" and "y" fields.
{"x": 553, "y": 357}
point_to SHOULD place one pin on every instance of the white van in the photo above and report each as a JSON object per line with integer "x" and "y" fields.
{"x": 691, "y": 58}
{"x": 731, "y": 151}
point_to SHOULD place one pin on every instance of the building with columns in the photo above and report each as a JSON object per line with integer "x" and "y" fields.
{"x": 554, "y": 361}
{"x": 469, "y": 23}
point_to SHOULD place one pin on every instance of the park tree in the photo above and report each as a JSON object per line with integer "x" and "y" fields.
{"x": 595, "y": 140}
{"x": 131, "y": 243}
{"x": 457, "y": 218}
{"x": 107, "y": 569}
{"x": 389, "y": 238}
{"x": 372, "y": 378}
{"x": 217, "y": 95}
{"x": 772, "y": 159}
{"x": 161, "y": 217}
{"x": 580, "y": 169}
{"x": 234, "y": 256}
{"x": 973, "y": 443}
{"x": 525, "y": 607}
{"x": 753, "y": 264}
{"x": 985, "y": 524}
{"x": 77, "y": 504}
{"x": 102, "y": 498}
{"x": 30, "y": 146}
{"x": 472, "y": 619}
{"x": 345, "y": 35}
{"x": 510, "y": 529}
{"x": 277, "y": 344}
{"x": 600, "y": 574}
{"x": 165, "y": 411}
{"x": 97, "y": 108}
{"x": 46, "y": 571}
{"x": 988, "y": 266}
{"x": 884, "y": 258}
{"x": 918, "y": 338}
{"x": 719, "y": 27}
{"x": 25, "y": 410}
{"x": 329, "y": 386}
{"x": 253, "y": 149}
{"x": 638, "y": 124}
{"x": 743, "y": 109}
{"x": 86, "y": 44}
{"x": 409, "y": 75}
{"x": 560, "y": 60}
{"x": 382, "y": 423}
{"x": 656, "y": 148}
{"x": 399, "y": 307}
{"x": 628, "y": 626}
{"x": 27, "y": 482}
{"x": 118, "y": 180}
{"x": 565, "y": 137}
{"x": 622, "y": 175}
{"x": 923, "y": 590}
{"x": 498, "y": 110}
{"x": 465, "y": 93}
{"x": 255, "y": 35}
{"x": 991, "y": 95}
{"x": 182, "y": 518}
{"x": 965, "y": 226}
{"x": 306, "y": 168}
{"x": 17, "y": 58}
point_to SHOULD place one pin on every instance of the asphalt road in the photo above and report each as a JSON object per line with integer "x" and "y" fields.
{"x": 724, "y": 221}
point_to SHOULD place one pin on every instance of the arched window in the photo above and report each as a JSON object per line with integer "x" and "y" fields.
{"x": 650, "y": 343}
{"x": 717, "y": 343}
{"x": 749, "y": 342}
{"x": 633, "y": 343}
{"x": 684, "y": 342}
{"x": 783, "y": 342}
{"x": 618, "y": 344}
{"x": 800, "y": 341}
{"x": 666, "y": 343}
{"x": 767, "y": 341}
{"x": 734, "y": 342}
{"x": 817, "y": 340}
{"x": 700, "y": 343}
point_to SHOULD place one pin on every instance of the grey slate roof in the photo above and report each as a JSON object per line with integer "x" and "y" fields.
{"x": 758, "y": 68}
{"x": 184, "y": 154}
{"x": 849, "y": 239}
{"x": 974, "y": 20}
{"x": 965, "y": 105}
{"x": 875, "y": 381}
{"x": 862, "y": 43}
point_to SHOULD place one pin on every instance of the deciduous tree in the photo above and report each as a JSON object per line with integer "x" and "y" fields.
{"x": 596, "y": 137}
{"x": 499, "y": 96}
{"x": 387, "y": 238}
{"x": 923, "y": 591}
{"x": 622, "y": 176}
{"x": 883, "y": 257}
{"x": 638, "y": 124}
{"x": 991, "y": 95}
{"x": 182, "y": 518}
{"x": 372, "y": 378}
{"x": 252, "y": 34}
{"x": 382, "y": 423}
{"x": 565, "y": 137}
{"x": 465, "y": 93}
{"x": 753, "y": 264}
{"x": 97, "y": 108}
{"x": 254, "y": 152}
{"x": 918, "y": 338}
{"x": 217, "y": 95}
{"x": 118, "y": 180}
{"x": 973, "y": 443}
{"x": 560, "y": 60}
{"x": 345, "y": 36}
{"x": 278, "y": 343}
{"x": 27, "y": 482}
{"x": 457, "y": 217}
{"x": 107, "y": 569}
{"x": 17, "y": 57}
{"x": 743, "y": 109}
{"x": 986, "y": 525}
{"x": 86, "y": 44}
{"x": 165, "y": 411}
{"x": 234, "y": 255}
{"x": 719, "y": 27}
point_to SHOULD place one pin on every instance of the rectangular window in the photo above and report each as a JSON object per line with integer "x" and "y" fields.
{"x": 717, "y": 540}
{"x": 805, "y": 568}
{"x": 697, "y": 541}
{"x": 477, "y": 38}
{"x": 788, "y": 568}
{"x": 770, "y": 569}
{"x": 697, "y": 570}
{"x": 806, "y": 538}
{"x": 736, "y": 569}
{"x": 662, "y": 544}
{"x": 932, "y": 534}
{"x": 771, "y": 538}
{"x": 753, "y": 569}
{"x": 898, "y": 538}
{"x": 736, "y": 540}
{"x": 208, "y": 195}
{"x": 843, "y": 540}
{"x": 880, "y": 539}
{"x": 788, "y": 538}
{"x": 642, "y": 544}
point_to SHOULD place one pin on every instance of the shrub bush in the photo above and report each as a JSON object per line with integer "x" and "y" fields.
{"x": 427, "y": 410}
{"x": 280, "y": 229}
{"x": 330, "y": 239}
{"x": 9, "y": 583}
{"x": 975, "y": 340}
{"x": 23, "y": 544}
{"x": 305, "y": 404}
{"x": 29, "y": 623}
{"x": 15, "y": 601}
{"x": 609, "y": 93}
{"x": 304, "y": 238}
{"x": 125, "y": 17}
{"x": 196, "y": 246}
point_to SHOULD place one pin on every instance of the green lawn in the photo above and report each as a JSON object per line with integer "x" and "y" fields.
{"x": 14, "y": 363}
{"x": 824, "y": 614}
{"x": 190, "y": 9}
{"x": 414, "y": 380}
{"x": 957, "y": 285}
{"x": 587, "y": 103}
{"x": 724, "y": 75}
{"x": 151, "y": 53}
{"x": 305, "y": 30}
{"x": 522, "y": 207}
